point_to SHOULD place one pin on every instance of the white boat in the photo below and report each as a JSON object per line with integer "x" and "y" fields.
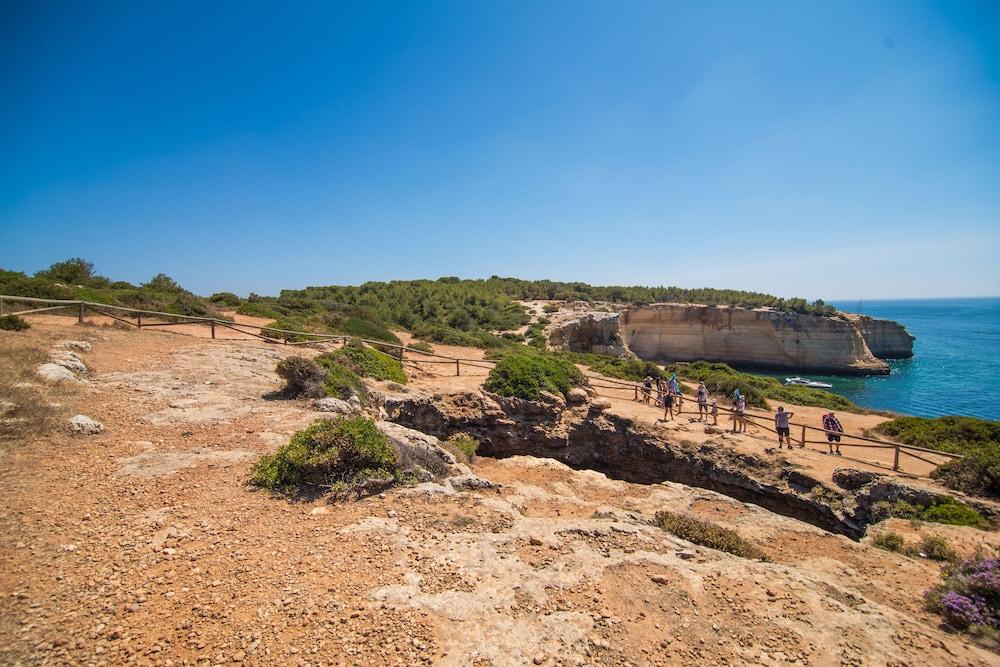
{"x": 802, "y": 382}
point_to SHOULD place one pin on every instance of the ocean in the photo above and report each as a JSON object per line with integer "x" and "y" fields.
{"x": 955, "y": 369}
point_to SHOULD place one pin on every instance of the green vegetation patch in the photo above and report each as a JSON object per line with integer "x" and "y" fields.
{"x": 13, "y": 323}
{"x": 333, "y": 454}
{"x": 757, "y": 389}
{"x": 368, "y": 362}
{"x": 525, "y": 374}
{"x": 978, "y": 440}
{"x": 341, "y": 381}
{"x": 708, "y": 534}
{"x": 616, "y": 367}
{"x": 942, "y": 509}
{"x": 462, "y": 446}
{"x": 890, "y": 541}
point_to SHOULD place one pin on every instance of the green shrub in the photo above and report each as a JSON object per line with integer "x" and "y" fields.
{"x": 302, "y": 377}
{"x": 708, "y": 534}
{"x": 617, "y": 367}
{"x": 462, "y": 446}
{"x": 340, "y": 381}
{"x": 13, "y": 323}
{"x": 550, "y": 308}
{"x": 227, "y": 299}
{"x": 526, "y": 375}
{"x": 953, "y": 513}
{"x": 942, "y": 509}
{"x": 889, "y": 541}
{"x": 362, "y": 329}
{"x": 936, "y": 547}
{"x": 368, "y": 362}
{"x": 978, "y": 440}
{"x": 422, "y": 346}
{"x": 255, "y": 309}
{"x": 329, "y": 453}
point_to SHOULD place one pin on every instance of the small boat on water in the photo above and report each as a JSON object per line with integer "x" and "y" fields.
{"x": 802, "y": 382}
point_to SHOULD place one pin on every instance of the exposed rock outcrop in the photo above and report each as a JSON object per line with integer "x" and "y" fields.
{"x": 591, "y": 332}
{"x": 885, "y": 338}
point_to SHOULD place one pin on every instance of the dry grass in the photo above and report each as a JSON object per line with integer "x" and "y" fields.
{"x": 29, "y": 407}
{"x": 708, "y": 534}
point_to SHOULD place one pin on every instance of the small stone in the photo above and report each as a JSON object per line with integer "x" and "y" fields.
{"x": 84, "y": 425}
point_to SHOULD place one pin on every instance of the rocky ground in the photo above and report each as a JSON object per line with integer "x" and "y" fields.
{"x": 143, "y": 544}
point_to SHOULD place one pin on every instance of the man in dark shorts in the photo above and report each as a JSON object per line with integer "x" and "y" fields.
{"x": 781, "y": 426}
{"x": 833, "y": 430}
{"x": 702, "y": 394}
{"x": 668, "y": 404}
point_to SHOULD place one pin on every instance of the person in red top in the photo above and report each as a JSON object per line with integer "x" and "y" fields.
{"x": 833, "y": 430}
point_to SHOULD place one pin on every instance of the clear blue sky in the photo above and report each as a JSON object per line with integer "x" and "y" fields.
{"x": 832, "y": 150}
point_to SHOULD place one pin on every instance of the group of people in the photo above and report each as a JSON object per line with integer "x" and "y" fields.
{"x": 668, "y": 394}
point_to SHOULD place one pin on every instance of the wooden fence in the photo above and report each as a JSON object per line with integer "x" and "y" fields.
{"x": 598, "y": 382}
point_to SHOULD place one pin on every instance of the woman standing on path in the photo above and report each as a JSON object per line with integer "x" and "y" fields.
{"x": 675, "y": 389}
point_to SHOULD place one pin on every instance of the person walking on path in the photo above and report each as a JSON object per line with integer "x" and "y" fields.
{"x": 715, "y": 413}
{"x": 740, "y": 415}
{"x": 833, "y": 430}
{"x": 668, "y": 405}
{"x": 647, "y": 389}
{"x": 702, "y": 395}
{"x": 675, "y": 389}
{"x": 781, "y": 426}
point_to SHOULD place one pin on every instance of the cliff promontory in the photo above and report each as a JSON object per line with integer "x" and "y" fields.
{"x": 744, "y": 337}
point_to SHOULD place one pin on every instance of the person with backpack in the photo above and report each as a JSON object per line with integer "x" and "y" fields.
{"x": 833, "y": 430}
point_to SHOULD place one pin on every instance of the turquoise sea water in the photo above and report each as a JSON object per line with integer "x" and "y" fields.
{"x": 955, "y": 369}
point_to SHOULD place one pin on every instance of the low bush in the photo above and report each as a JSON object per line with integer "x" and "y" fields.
{"x": 526, "y": 375}
{"x": 968, "y": 597}
{"x": 335, "y": 454}
{"x": 616, "y": 367}
{"x": 369, "y": 362}
{"x": 708, "y": 534}
{"x": 302, "y": 377}
{"x": 978, "y": 440}
{"x": 440, "y": 333}
{"x": 942, "y": 509}
{"x": 462, "y": 446}
{"x": 421, "y": 345}
{"x": 360, "y": 328}
{"x": 936, "y": 547}
{"x": 13, "y": 323}
{"x": 340, "y": 381}
{"x": 889, "y": 541}
{"x": 550, "y": 307}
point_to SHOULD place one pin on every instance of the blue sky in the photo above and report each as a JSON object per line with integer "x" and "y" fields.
{"x": 832, "y": 150}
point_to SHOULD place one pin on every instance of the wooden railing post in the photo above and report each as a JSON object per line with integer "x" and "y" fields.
{"x": 636, "y": 393}
{"x": 1, "y": 306}
{"x": 79, "y": 315}
{"x": 803, "y": 435}
{"x": 138, "y": 320}
{"x": 213, "y": 329}
{"x": 895, "y": 460}
{"x": 458, "y": 369}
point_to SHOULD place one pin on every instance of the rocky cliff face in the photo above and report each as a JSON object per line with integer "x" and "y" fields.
{"x": 742, "y": 337}
{"x": 885, "y": 338}
{"x": 590, "y": 332}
